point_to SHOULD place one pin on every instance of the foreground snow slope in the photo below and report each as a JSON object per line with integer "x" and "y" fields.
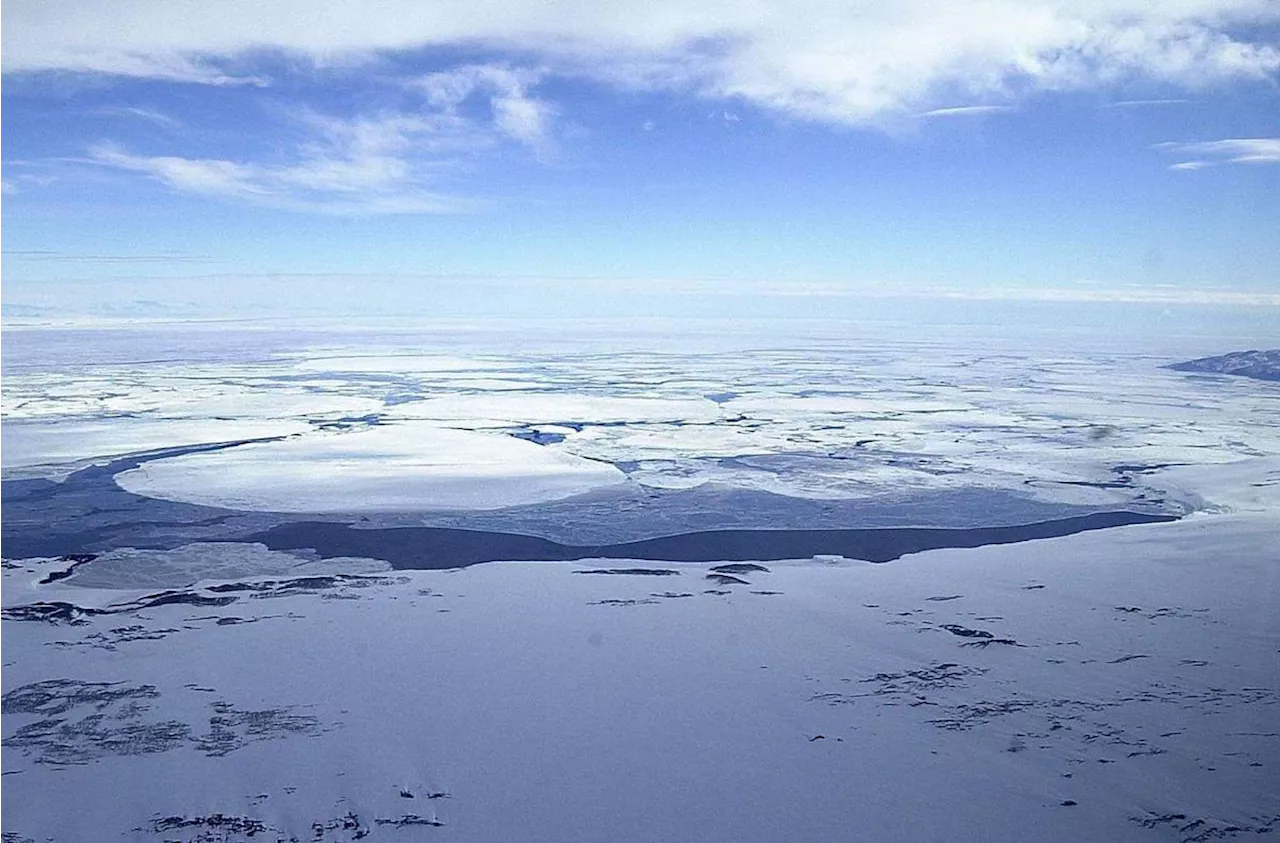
{"x": 176, "y": 680}
{"x": 1117, "y": 685}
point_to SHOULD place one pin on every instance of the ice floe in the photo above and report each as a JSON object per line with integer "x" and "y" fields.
{"x": 53, "y": 448}
{"x": 385, "y": 468}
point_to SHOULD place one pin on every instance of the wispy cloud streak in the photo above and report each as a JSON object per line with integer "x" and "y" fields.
{"x": 1202, "y": 154}
{"x": 968, "y": 111}
{"x": 1145, "y": 103}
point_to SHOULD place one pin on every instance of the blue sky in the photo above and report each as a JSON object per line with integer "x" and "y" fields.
{"x": 494, "y": 158}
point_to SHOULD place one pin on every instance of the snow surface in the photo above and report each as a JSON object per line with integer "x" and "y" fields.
{"x": 1137, "y": 701}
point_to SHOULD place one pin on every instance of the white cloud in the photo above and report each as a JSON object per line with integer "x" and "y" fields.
{"x": 833, "y": 60}
{"x": 206, "y": 176}
{"x": 1203, "y": 154}
{"x": 515, "y": 113}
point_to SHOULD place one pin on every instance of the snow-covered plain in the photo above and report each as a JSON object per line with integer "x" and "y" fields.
{"x": 1122, "y": 684}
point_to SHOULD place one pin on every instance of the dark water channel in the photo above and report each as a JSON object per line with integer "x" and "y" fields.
{"x": 437, "y": 547}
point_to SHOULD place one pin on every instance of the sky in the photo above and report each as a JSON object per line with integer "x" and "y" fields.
{"x": 569, "y": 157}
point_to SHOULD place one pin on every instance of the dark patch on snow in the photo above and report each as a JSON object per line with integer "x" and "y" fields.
{"x": 83, "y": 721}
{"x": 230, "y": 728}
{"x": 116, "y": 726}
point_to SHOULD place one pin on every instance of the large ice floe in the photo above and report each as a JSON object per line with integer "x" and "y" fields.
{"x": 384, "y": 468}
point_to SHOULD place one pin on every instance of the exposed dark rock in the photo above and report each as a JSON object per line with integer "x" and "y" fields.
{"x": 220, "y": 823}
{"x": 725, "y": 579}
{"x": 232, "y": 620}
{"x": 633, "y": 572}
{"x": 965, "y": 632}
{"x": 408, "y": 820}
{"x": 983, "y": 642}
{"x": 740, "y": 568}
{"x": 349, "y": 821}
{"x": 112, "y": 638}
{"x": 55, "y": 613}
{"x": 169, "y": 598}
{"x": 61, "y": 612}
{"x": 315, "y": 583}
